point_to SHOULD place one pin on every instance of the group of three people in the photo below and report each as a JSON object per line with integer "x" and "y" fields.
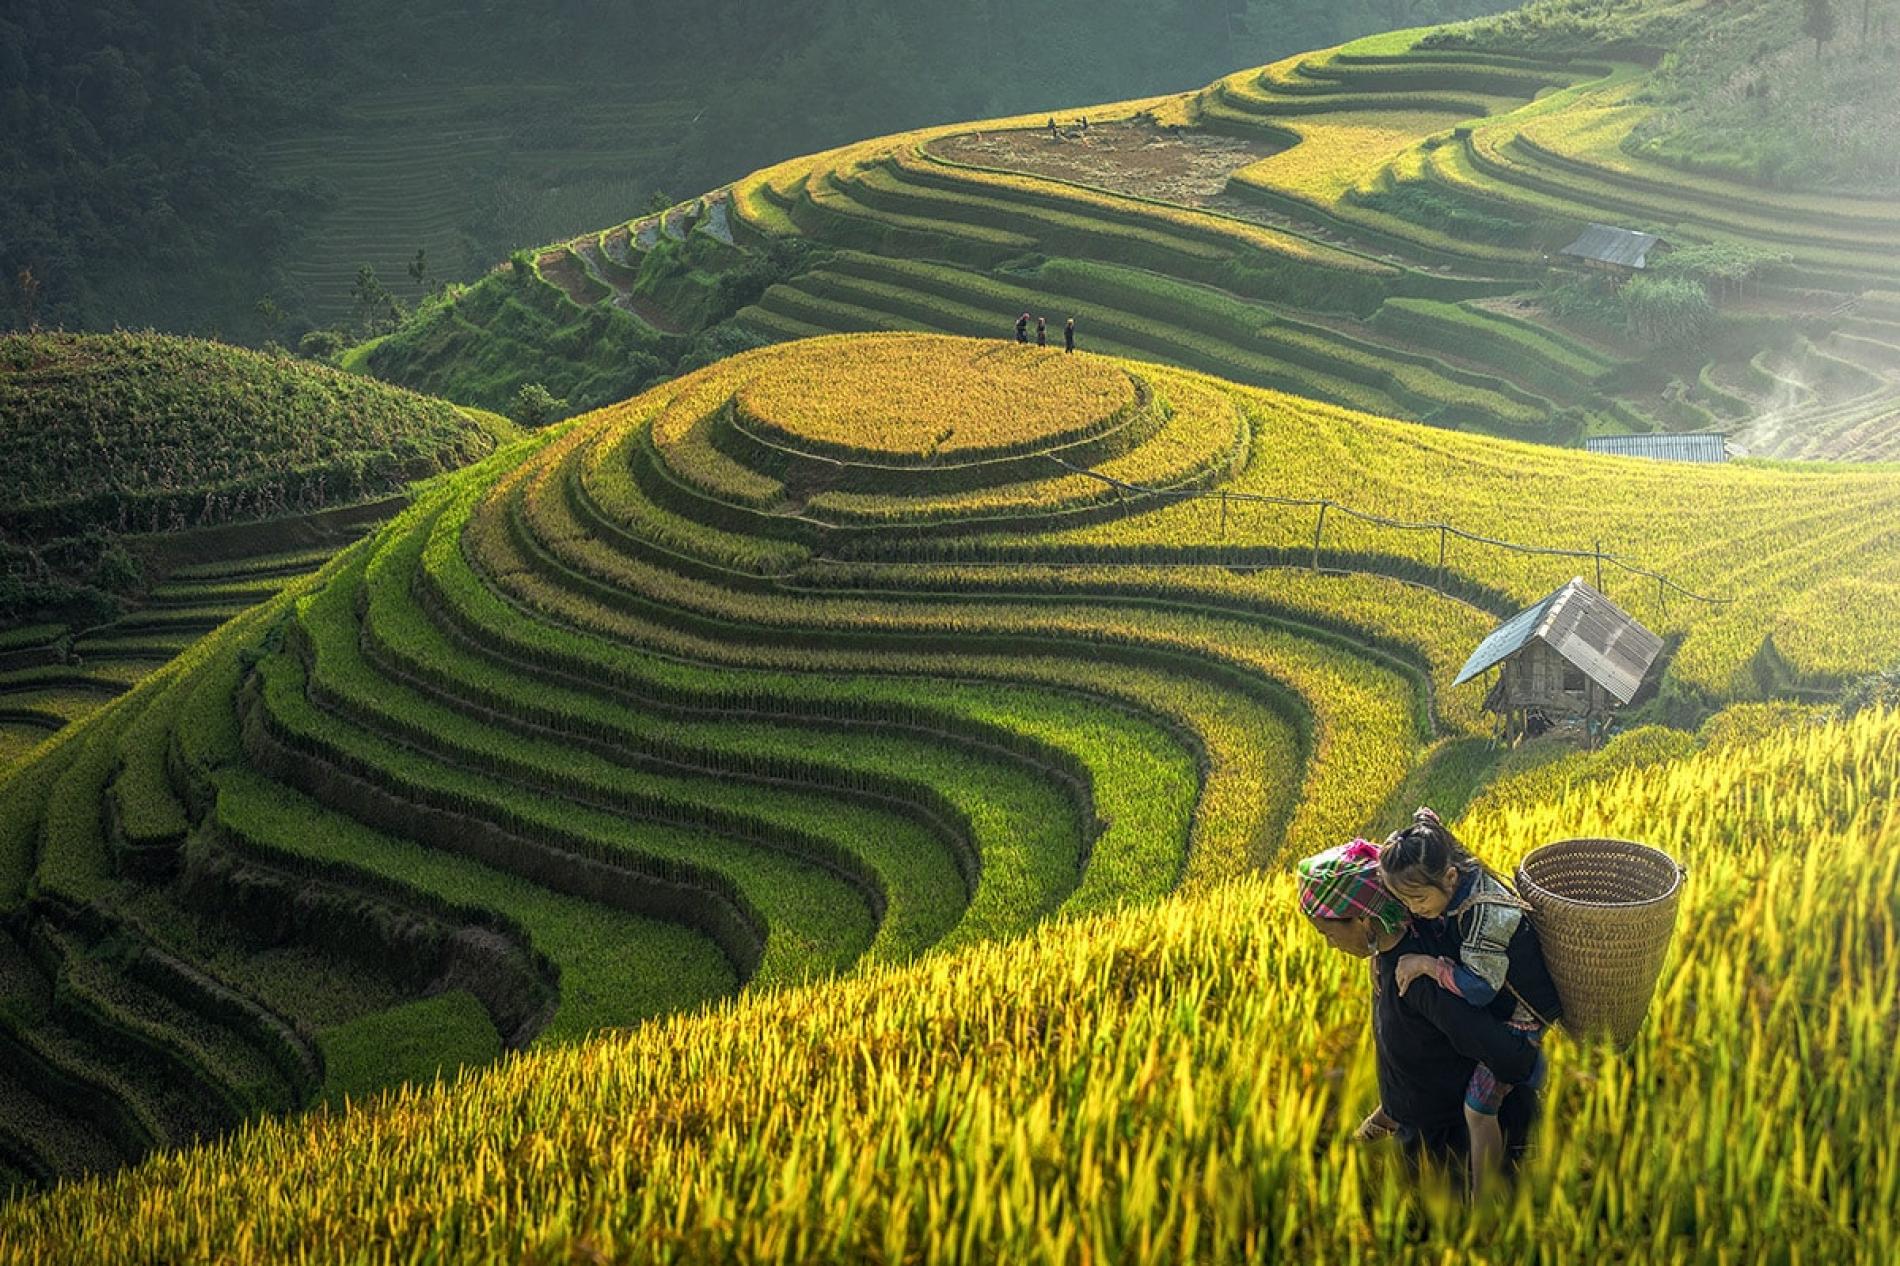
{"x": 1042, "y": 332}
{"x": 1461, "y": 993}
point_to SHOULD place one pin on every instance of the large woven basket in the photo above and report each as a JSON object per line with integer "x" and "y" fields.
{"x": 1604, "y": 912}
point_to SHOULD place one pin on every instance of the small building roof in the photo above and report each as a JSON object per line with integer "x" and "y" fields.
{"x": 1703, "y": 446}
{"x": 1605, "y": 244}
{"x": 1586, "y": 628}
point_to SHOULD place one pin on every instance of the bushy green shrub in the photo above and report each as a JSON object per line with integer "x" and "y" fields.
{"x": 1667, "y": 311}
{"x": 323, "y": 344}
{"x": 536, "y": 406}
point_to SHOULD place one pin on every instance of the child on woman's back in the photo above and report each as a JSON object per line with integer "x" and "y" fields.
{"x": 1500, "y": 965}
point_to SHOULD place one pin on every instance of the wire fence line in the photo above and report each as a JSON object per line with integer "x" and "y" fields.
{"x": 1445, "y": 531}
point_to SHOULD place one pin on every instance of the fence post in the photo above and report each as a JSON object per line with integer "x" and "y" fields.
{"x": 1223, "y": 516}
{"x": 1599, "y": 553}
{"x": 1662, "y": 596}
{"x": 1441, "y": 558}
{"x": 1318, "y": 529}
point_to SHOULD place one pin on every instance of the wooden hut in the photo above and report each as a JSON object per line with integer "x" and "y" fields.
{"x": 1573, "y": 656}
{"x": 1622, "y": 253}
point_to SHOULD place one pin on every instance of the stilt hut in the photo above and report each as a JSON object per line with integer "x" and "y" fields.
{"x": 1574, "y": 655}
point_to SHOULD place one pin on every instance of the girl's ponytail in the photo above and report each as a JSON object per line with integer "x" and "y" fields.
{"x": 1425, "y": 845}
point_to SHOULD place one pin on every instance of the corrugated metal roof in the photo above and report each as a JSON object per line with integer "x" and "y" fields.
{"x": 1507, "y": 639}
{"x": 1599, "y": 637}
{"x": 1610, "y": 245}
{"x": 1706, "y": 447}
{"x": 1583, "y": 626}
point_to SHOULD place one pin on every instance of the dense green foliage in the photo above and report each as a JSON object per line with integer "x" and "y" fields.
{"x": 1793, "y": 93}
{"x": 130, "y": 185}
{"x": 141, "y": 433}
{"x": 1753, "y": 99}
{"x": 105, "y": 437}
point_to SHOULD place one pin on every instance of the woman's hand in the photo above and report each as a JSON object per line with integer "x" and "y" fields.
{"x": 1411, "y": 967}
{"x": 1375, "y": 1127}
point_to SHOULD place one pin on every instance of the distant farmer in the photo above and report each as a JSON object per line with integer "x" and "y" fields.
{"x": 1085, "y": 124}
{"x": 1052, "y": 127}
{"x": 1068, "y": 336}
{"x": 1022, "y": 328}
{"x": 1042, "y": 332}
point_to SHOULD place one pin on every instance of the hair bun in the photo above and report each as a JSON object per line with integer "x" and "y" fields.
{"x": 1426, "y": 816}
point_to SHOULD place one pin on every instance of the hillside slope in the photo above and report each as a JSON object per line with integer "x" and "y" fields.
{"x": 1091, "y": 1067}
{"x": 812, "y": 662}
{"x": 153, "y": 487}
{"x": 228, "y": 168}
{"x": 1379, "y": 225}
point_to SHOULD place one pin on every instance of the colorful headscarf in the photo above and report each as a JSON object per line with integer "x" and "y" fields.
{"x": 1343, "y": 883}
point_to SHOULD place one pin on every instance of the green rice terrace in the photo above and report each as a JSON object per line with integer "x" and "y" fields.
{"x": 1381, "y": 225}
{"x": 821, "y": 659}
{"x": 833, "y": 796}
{"x": 151, "y": 488}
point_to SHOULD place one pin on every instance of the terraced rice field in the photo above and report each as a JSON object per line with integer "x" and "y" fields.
{"x": 867, "y": 657}
{"x": 52, "y": 675}
{"x": 1363, "y": 186}
{"x": 1378, "y": 226}
{"x": 823, "y": 659}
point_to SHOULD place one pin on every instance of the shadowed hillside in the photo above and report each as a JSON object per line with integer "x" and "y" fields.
{"x": 153, "y": 487}
{"x": 226, "y": 168}
{"x": 1384, "y": 225}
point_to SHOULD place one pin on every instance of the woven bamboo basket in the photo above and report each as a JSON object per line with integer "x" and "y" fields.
{"x": 1604, "y": 912}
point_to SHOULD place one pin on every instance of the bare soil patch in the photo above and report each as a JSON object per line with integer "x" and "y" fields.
{"x": 1144, "y": 159}
{"x": 1136, "y": 157}
{"x": 618, "y": 244}
{"x": 565, "y": 271}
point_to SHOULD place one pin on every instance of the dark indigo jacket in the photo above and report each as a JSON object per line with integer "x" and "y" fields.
{"x": 1429, "y": 1043}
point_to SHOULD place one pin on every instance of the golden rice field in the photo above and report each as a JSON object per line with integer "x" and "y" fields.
{"x": 1166, "y": 1084}
{"x": 893, "y": 402}
{"x": 885, "y": 860}
{"x": 837, "y": 805}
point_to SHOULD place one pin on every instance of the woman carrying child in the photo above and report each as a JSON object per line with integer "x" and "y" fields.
{"x": 1429, "y": 1042}
{"x": 1500, "y": 965}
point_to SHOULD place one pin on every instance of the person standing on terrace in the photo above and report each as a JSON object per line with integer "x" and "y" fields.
{"x": 1022, "y": 328}
{"x": 1042, "y": 332}
{"x": 1068, "y": 336}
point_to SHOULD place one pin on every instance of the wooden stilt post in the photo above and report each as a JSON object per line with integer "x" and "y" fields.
{"x": 1441, "y": 558}
{"x": 1662, "y": 595}
{"x": 1599, "y": 566}
{"x": 1223, "y": 516}
{"x": 1319, "y": 529}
